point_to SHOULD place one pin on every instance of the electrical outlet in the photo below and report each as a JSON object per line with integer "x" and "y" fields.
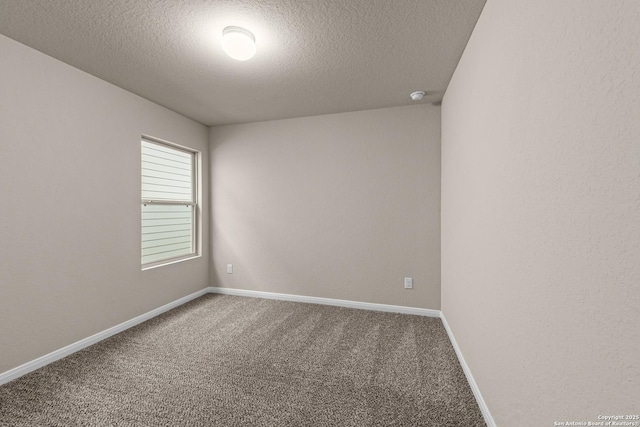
{"x": 408, "y": 283}
{"x": 229, "y": 268}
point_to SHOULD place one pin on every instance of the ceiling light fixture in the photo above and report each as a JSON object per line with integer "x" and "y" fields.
{"x": 238, "y": 43}
{"x": 418, "y": 95}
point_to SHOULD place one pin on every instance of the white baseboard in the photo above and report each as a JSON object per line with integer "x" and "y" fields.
{"x": 467, "y": 372}
{"x": 327, "y": 301}
{"x": 24, "y": 369}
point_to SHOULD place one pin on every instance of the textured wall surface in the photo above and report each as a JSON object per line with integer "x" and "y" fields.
{"x": 338, "y": 206}
{"x": 541, "y": 209}
{"x": 313, "y": 57}
{"x": 70, "y": 210}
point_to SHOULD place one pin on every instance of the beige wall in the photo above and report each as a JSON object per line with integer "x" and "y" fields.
{"x": 337, "y": 206}
{"x": 70, "y": 213}
{"x": 541, "y": 209}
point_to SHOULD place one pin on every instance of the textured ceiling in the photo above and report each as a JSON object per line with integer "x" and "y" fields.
{"x": 314, "y": 56}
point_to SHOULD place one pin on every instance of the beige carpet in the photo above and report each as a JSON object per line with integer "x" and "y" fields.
{"x": 236, "y": 361}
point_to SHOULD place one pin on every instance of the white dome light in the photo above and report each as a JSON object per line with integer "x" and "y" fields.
{"x": 238, "y": 43}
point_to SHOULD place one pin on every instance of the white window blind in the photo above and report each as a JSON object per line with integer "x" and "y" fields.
{"x": 168, "y": 203}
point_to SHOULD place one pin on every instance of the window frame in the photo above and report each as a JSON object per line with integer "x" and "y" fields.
{"x": 194, "y": 203}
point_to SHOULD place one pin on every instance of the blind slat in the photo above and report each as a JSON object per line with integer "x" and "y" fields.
{"x": 161, "y": 188}
{"x": 149, "y": 173}
{"x": 165, "y": 235}
{"x": 183, "y": 246}
{"x": 164, "y": 241}
{"x": 150, "y": 180}
{"x": 147, "y": 145}
{"x": 157, "y": 229}
{"x": 154, "y": 195}
{"x": 153, "y": 160}
{"x": 175, "y": 155}
{"x": 155, "y": 164}
{"x": 161, "y": 216}
{"x": 164, "y": 256}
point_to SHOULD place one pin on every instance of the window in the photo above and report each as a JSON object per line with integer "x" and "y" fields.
{"x": 169, "y": 203}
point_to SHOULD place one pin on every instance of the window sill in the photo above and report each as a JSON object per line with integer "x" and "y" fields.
{"x": 169, "y": 262}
